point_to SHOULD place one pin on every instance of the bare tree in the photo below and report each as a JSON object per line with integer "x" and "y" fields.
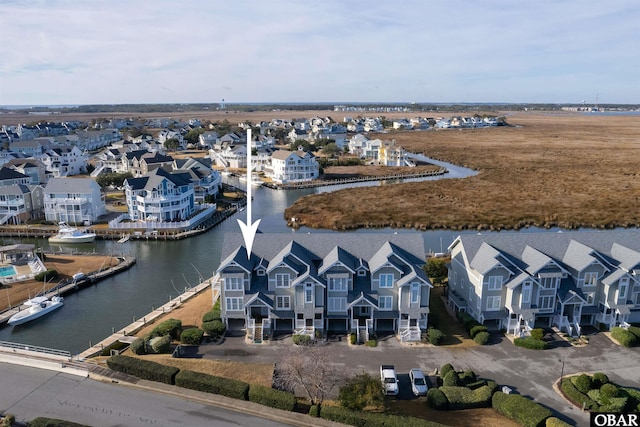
{"x": 308, "y": 370}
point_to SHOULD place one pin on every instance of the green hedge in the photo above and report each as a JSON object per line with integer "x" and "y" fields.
{"x": 445, "y": 369}
{"x": 477, "y": 329}
{"x": 212, "y": 315}
{"x": 435, "y": 336}
{"x": 314, "y": 411}
{"x": 578, "y": 398}
{"x": 52, "y": 422}
{"x": 451, "y": 379}
{"x": 635, "y": 331}
{"x": 537, "y": 333}
{"x": 437, "y": 399}
{"x": 138, "y": 346}
{"x": 556, "y": 422}
{"x": 582, "y": 383}
{"x": 191, "y": 336}
{"x": 465, "y": 398}
{"x": 301, "y": 339}
{"x": 171, "y": 327}
{"x": 520, "y": 409}
{"x": 531, "y": 343}
{"x": 481, "y": 337}
{"x": 271, "y": 397}
{"x": 215, "y": 329}
{"x": 50, "y": 275}
{"x": 599, "y": 379}
{"x": 370, "y": 419}
{"x": 624, "y": 337}
{"x": 144, "y": 369}
{"x": 159, "y": 345}
{"x": 212, "y": 384}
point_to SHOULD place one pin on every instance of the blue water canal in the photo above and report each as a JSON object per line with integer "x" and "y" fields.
{"x": 163, "y": 270}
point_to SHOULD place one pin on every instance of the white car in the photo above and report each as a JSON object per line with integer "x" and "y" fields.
{"x": 418, "y": 382}
{"x": 389, "y": 380}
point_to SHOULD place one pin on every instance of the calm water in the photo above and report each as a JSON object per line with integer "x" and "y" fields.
{"x": 164, "y": 269}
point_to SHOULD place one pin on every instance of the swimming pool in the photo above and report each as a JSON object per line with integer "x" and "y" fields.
{"x": 8, "y": 270}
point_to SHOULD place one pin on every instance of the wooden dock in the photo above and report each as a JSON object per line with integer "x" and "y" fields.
{"x": 71, "y": 285}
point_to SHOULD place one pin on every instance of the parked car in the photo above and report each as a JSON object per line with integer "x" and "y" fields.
{"x": 418, "y": 382}
{"x": 389, "y": 379}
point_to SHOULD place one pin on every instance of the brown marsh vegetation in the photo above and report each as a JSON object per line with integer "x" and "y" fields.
{"x": 546, "y": 170}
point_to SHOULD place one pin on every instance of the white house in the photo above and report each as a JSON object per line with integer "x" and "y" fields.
{"x": 293, "y": 166}
{"x": 73, "y": 200}
{"x": 64, "y": 161}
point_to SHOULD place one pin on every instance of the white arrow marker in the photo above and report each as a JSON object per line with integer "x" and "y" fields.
{"x": 249, "y": 229}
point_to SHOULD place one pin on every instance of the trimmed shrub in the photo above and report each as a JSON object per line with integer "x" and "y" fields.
{"x": 465, "y": 398}
{"x": 437, "y": 399}
{"x": 191, "y": 336}
{"x": 468, "y": 377}
{"x": 578, "y": 398}
{"x": 477, "y": 329}
{"x": 582, "y": 383}
{"x": 371, "y": 419}
{"x": 492, "y": 385}
{"x": 520, "y": 409}
{"x": 271, "y": 397}
{"x": 556, "y": 422}
{"x": 435, "y": 336}
{"x": 212, "y": 384}
{"x": 53, "y": 422}
{"x": 301, "y": 339}
{"x": 138, "y": 346}
{"x": 144, "y": 369}
{"x": 481, "y": 338}
{"x": 314, "y": 410}
{"x": 371, "y": 343}
{"x": 215, "y": 329}
{"x": 609, "y": 390}
{"x": 171, "y": 327}
{"x": 212, "y": 315}
{"x": 451, "y": 379}
{"x": 599, "y": 379}
{"x": 624, "y": 337}
{"x": 353, "y": 339}
{"x": 159, "y": 345}
{"x": 537, "y": 333}
{"x": 635, "y": 331}
{"x": 445, "y": 370}
{"x": 530, "y": 343}
{"x": 361, "y": 391}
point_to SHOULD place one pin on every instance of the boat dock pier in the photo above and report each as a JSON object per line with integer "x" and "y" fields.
{"x": 73, "y": 285}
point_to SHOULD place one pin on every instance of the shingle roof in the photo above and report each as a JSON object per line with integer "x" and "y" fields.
{"x": 71, "y": 185}
{"x": 8, "y": 173}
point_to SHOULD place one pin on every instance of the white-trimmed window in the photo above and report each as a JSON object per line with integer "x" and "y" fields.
{"x": 590, "y": 279}
{"x": 623, "y": 288}
{"x": 362, "y": 272}
{"x": 495, "y": 283}
{"x": 233, "y": 283}
{"x": 338, "y": 284}
{"x": 415, "y": 293}
{"x": 336, "y": 304}
{"x": 546, "y": 302}
{"x": 549, "y": 282}
{"x": 526, "y": 293}
{"x": 385, "y": 302}
{"x": 283, "y": 302}
{"x": 386, "y": 281}
{"x": 282, "y": 280}
{"x": 261, "y": 272}
{"x": 494, "y": 303}
{"x": 233, "y": 304}
{"x": 308, "y": 293}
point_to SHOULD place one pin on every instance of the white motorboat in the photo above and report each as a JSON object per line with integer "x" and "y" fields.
{"x": 68, "y": 234}
{"x": 38, "y": 307}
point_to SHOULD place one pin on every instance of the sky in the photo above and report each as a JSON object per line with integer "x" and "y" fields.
{"x": 59, "y": 52}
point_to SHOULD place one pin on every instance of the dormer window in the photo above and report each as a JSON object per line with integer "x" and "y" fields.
{"x": 362, "y": 273}
{"x": 260, "y": 272}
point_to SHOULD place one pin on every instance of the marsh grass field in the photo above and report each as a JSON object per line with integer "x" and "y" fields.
{"x": 544, "y": 170}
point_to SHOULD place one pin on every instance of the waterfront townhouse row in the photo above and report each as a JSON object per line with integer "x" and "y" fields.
{"x": 567, "y": 280}
{"x": 322, "y": 283}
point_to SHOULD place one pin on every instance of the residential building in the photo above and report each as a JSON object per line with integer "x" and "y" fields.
{"x": 160, "y": 196}
{"x": 20, "y": 203}
{"x": 64, "y": 161}
{"x": 567, "y": 280}
{"x": 143, "y": 162}
{"x": 31, "y": 167}
{"x": 313, "y": 283}
{"x": 206, "y": 181}
{"x": 9, "y": 176}
{"x": 73, "y": 200}
{"x": 293, "y": 166}
{"x": 391, "y": 154}
{"x": 29, "y": 148}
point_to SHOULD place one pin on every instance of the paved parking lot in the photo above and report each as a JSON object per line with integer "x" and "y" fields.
{"x": 528, "y": 372}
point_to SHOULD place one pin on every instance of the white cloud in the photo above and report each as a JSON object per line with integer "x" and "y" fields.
{"x": 118, "y": 51}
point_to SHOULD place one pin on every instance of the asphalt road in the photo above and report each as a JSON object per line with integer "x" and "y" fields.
{"x": 28, "y": 393}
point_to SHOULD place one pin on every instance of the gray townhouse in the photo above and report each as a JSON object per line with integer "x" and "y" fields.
{"x": 567, "y": 280}
{"x": 322, "y": 283}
